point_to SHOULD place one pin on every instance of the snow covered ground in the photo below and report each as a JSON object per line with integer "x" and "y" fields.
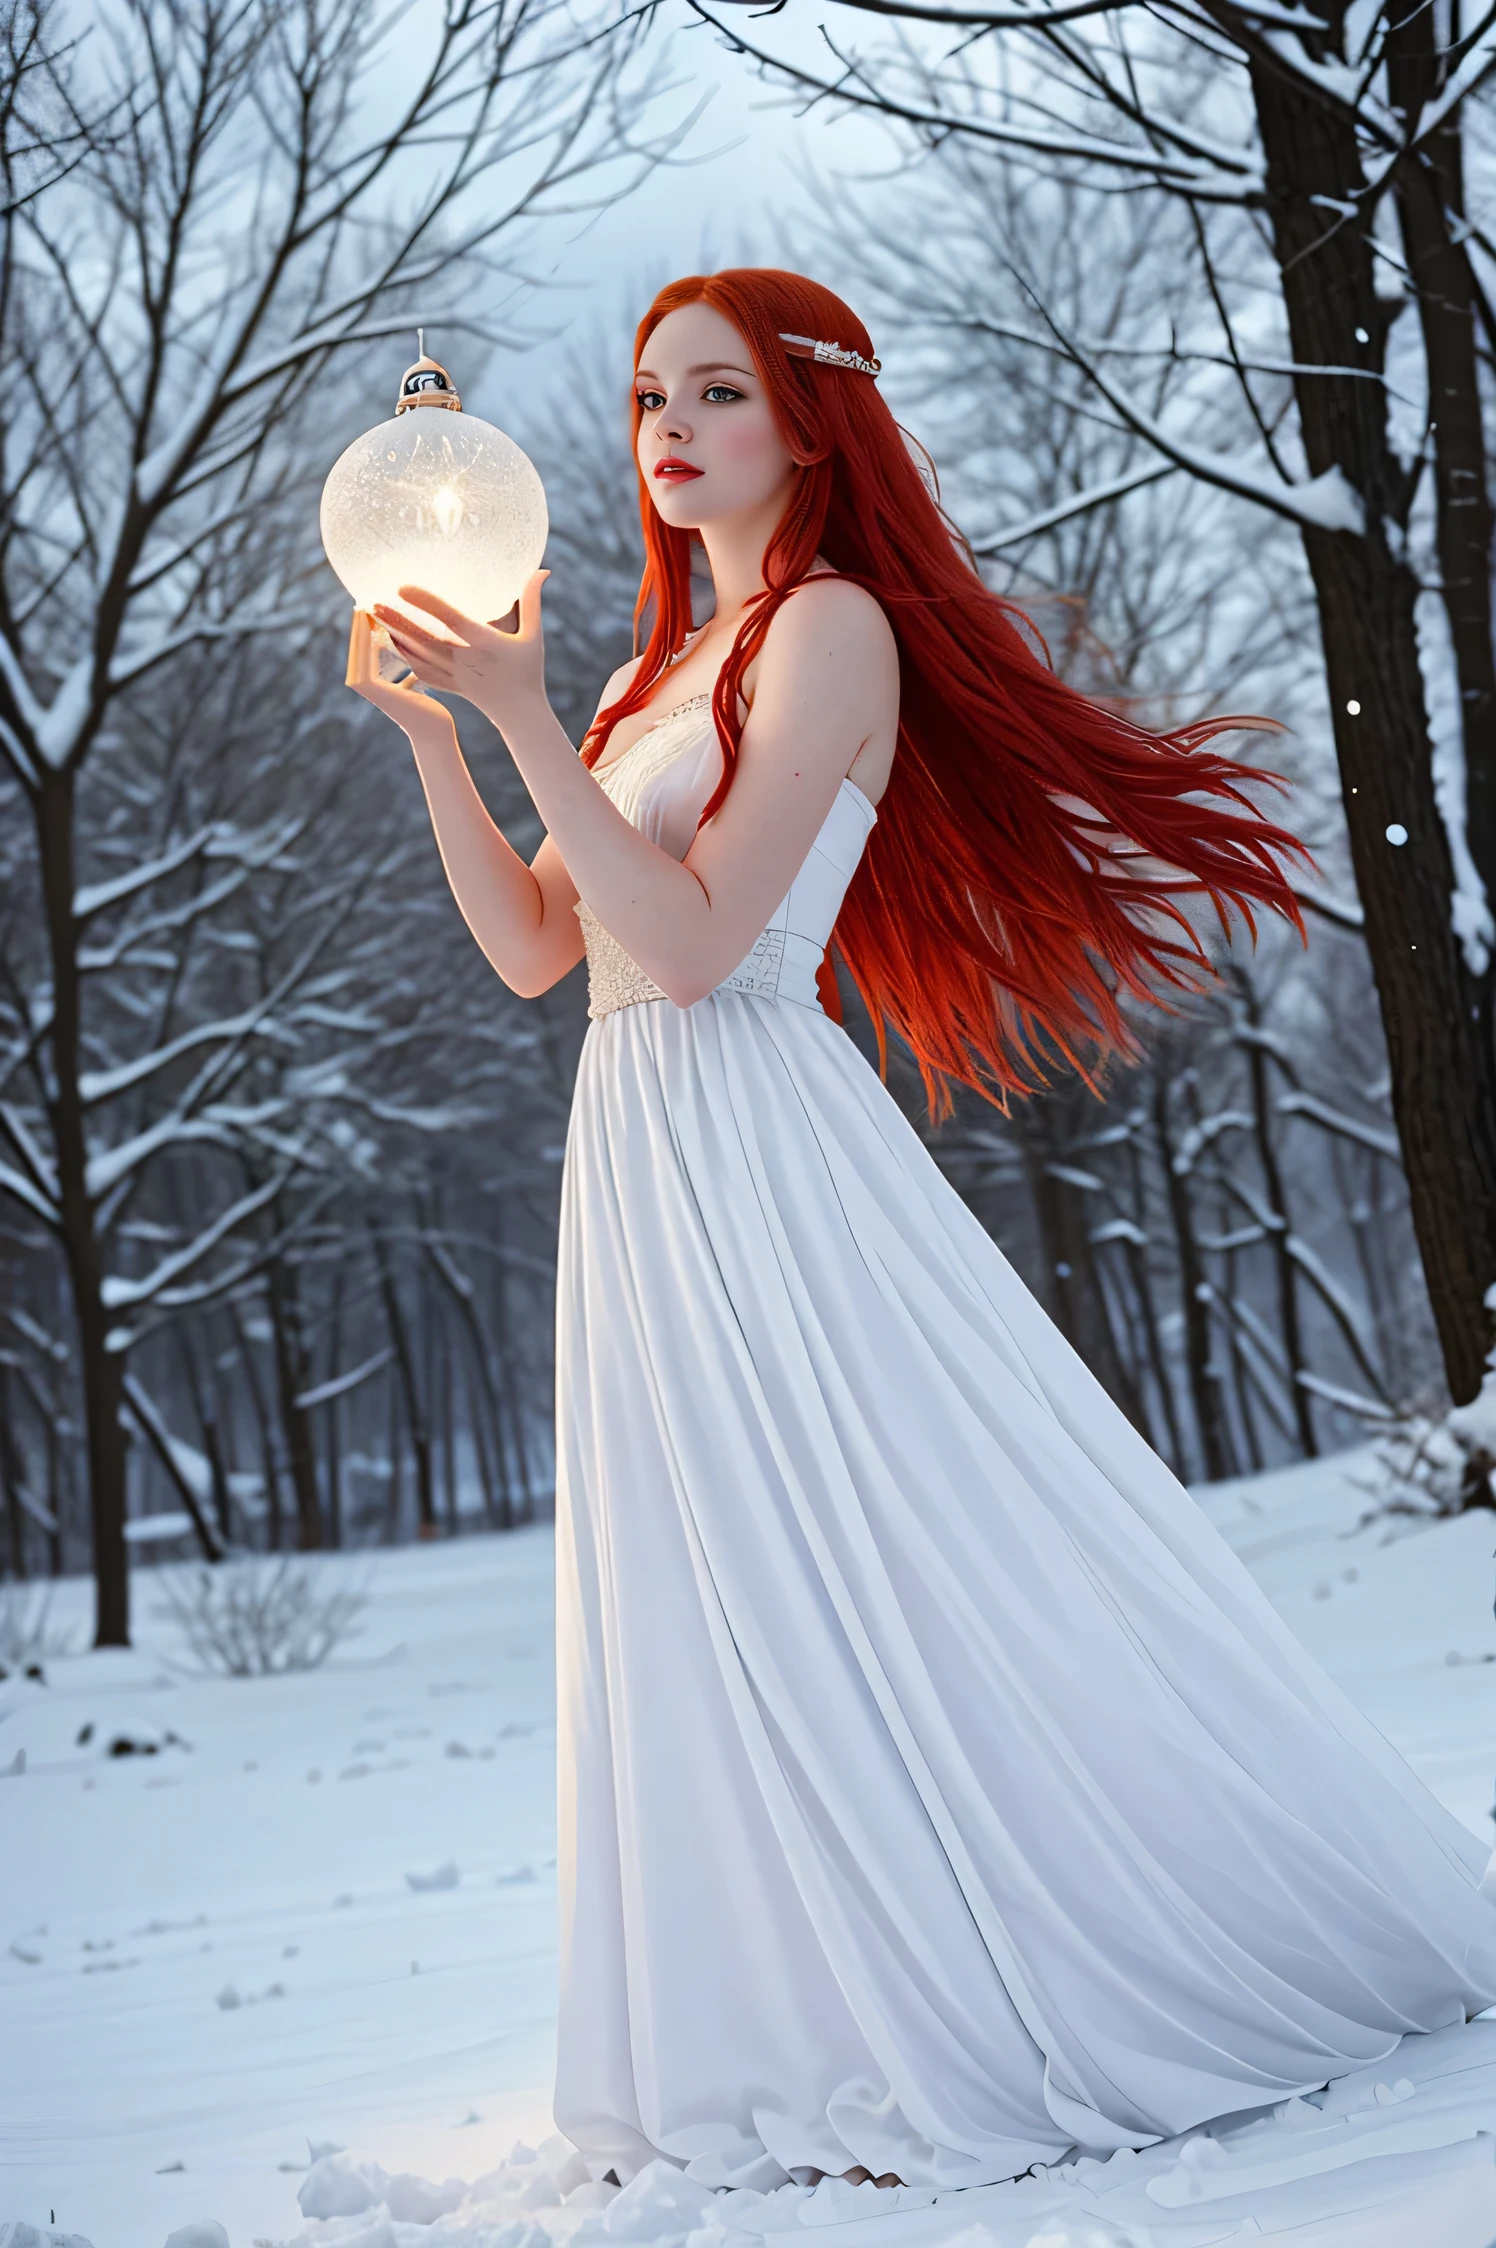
{"x": 321, "y": 1916}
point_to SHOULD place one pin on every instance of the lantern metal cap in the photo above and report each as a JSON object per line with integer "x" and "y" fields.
{"x": 427, "y": 383}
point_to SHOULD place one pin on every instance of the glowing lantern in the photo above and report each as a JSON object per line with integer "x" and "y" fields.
{"x": 439, "y": 500}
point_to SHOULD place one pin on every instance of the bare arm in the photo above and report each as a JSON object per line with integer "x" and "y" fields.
{"x": 827, "y": 687}
{"x": 522, "y": 916}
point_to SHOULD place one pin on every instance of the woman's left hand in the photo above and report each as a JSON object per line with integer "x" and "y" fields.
{"x": 501, "y": 673}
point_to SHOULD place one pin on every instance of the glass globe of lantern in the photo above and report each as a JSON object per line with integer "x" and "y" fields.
{"x": 434, "y": 498}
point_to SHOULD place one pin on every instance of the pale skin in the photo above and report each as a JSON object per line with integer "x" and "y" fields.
{"x": 822, "y": 703}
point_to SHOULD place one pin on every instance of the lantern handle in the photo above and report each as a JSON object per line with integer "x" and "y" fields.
{"x": 427, "y": 383}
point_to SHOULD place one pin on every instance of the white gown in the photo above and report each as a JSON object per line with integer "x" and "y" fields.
{"x": 938, "y": 1792}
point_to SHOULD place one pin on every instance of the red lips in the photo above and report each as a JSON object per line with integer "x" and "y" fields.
{"x": 673, "y": 471}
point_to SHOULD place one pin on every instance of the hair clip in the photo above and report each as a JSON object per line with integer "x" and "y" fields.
{"x": 828, "y": 354}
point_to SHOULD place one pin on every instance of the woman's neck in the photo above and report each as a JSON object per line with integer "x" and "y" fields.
{"x": 735, "y": 553}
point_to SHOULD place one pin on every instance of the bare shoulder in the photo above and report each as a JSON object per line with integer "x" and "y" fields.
{"x": 828, "y": 676}
{"x": 833, "y": 615}
{"x": 830, "y": 648}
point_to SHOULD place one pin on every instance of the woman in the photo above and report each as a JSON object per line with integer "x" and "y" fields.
{"x": 938, "y": 1793}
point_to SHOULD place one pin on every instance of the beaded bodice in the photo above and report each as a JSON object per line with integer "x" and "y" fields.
{"x": 660, "y": 784}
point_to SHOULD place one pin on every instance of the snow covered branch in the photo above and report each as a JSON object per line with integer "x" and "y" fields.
{"x": 15, "y": 1183}
{"x": 187, "y": 1469}
{"x": 1326, "y": 502}
{"x": 99, "y": 1085}
{"x": 342, "y": 1384}
{"x": 118, "y": 1294}
{"x": 1065, "y": 511}
{"x": 97, "y": 897}
{"x": 1223, "y": 175}
{"x": 1335, "y": 1120}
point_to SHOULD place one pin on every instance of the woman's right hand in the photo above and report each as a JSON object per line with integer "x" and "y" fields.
{"x": 523, "y": 919}
{"x": 419, "y": 717}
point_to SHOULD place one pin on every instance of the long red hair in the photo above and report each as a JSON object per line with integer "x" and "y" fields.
{"x": 1030, "y": 846}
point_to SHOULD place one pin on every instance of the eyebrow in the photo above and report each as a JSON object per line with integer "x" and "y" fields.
{"x": 711, "y": 367}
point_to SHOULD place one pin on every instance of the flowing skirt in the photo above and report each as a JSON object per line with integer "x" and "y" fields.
{"x": 938, "y": 1791}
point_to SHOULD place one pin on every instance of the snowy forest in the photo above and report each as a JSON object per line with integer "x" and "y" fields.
{"x": 1194, "y": 311}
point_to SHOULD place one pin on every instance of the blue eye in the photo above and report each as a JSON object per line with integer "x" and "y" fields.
{"x": 720, "y": 393}
{"x": 651, "y": 400}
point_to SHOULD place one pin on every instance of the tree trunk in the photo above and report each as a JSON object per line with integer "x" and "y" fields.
{"x": 99, "y": 1368}
{"x": 1058, "y": 1272}
{"x": 147, "y": 1418}
{"x": 12, "y": 1475}
{"x": 1434, "y": 1011}
{"x": 482, "y": 1415}
{"x": 1125, "y": 1344}
{"x": 1073, "y": 1277}
{"x": 1142, "y": 1280}
{"x": 415, "y": 1409}
{"x": 204, "y": 1394}
{"x": 513, "y": 1402}
{"x": 1194, "y": 1297}
{"x": 333, "y": 1425}
{"x": 1430, "y": 189}
{"x": 1366, "y": 1221}
{"x": 484, "y": 1410}
{"x": 1142, "y": 1288}
{"x": 54, "y": 1484}
{"x": 291, "y": 1371}
{"x": 270, "y": 1467}
{"x": 1241, "y": 1395}
{"x": 1285, "y": 1272}
{"x": 395, "y": 1497}
{"x": 448, "y": 1386}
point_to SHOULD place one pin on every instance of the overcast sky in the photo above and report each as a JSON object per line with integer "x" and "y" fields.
{"x": 737, "y": 191}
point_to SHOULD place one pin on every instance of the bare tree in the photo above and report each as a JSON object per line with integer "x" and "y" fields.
{"x": 1323, "y": 162}
{"x": 178, "y": 269}
{"x": 1204, "y": 1236}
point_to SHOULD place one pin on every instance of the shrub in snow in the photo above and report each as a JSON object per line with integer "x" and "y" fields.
{"x": 253, "y": 1618}
{"x": 206, "y": 2234}
{"x": 1445, "y": 1466}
